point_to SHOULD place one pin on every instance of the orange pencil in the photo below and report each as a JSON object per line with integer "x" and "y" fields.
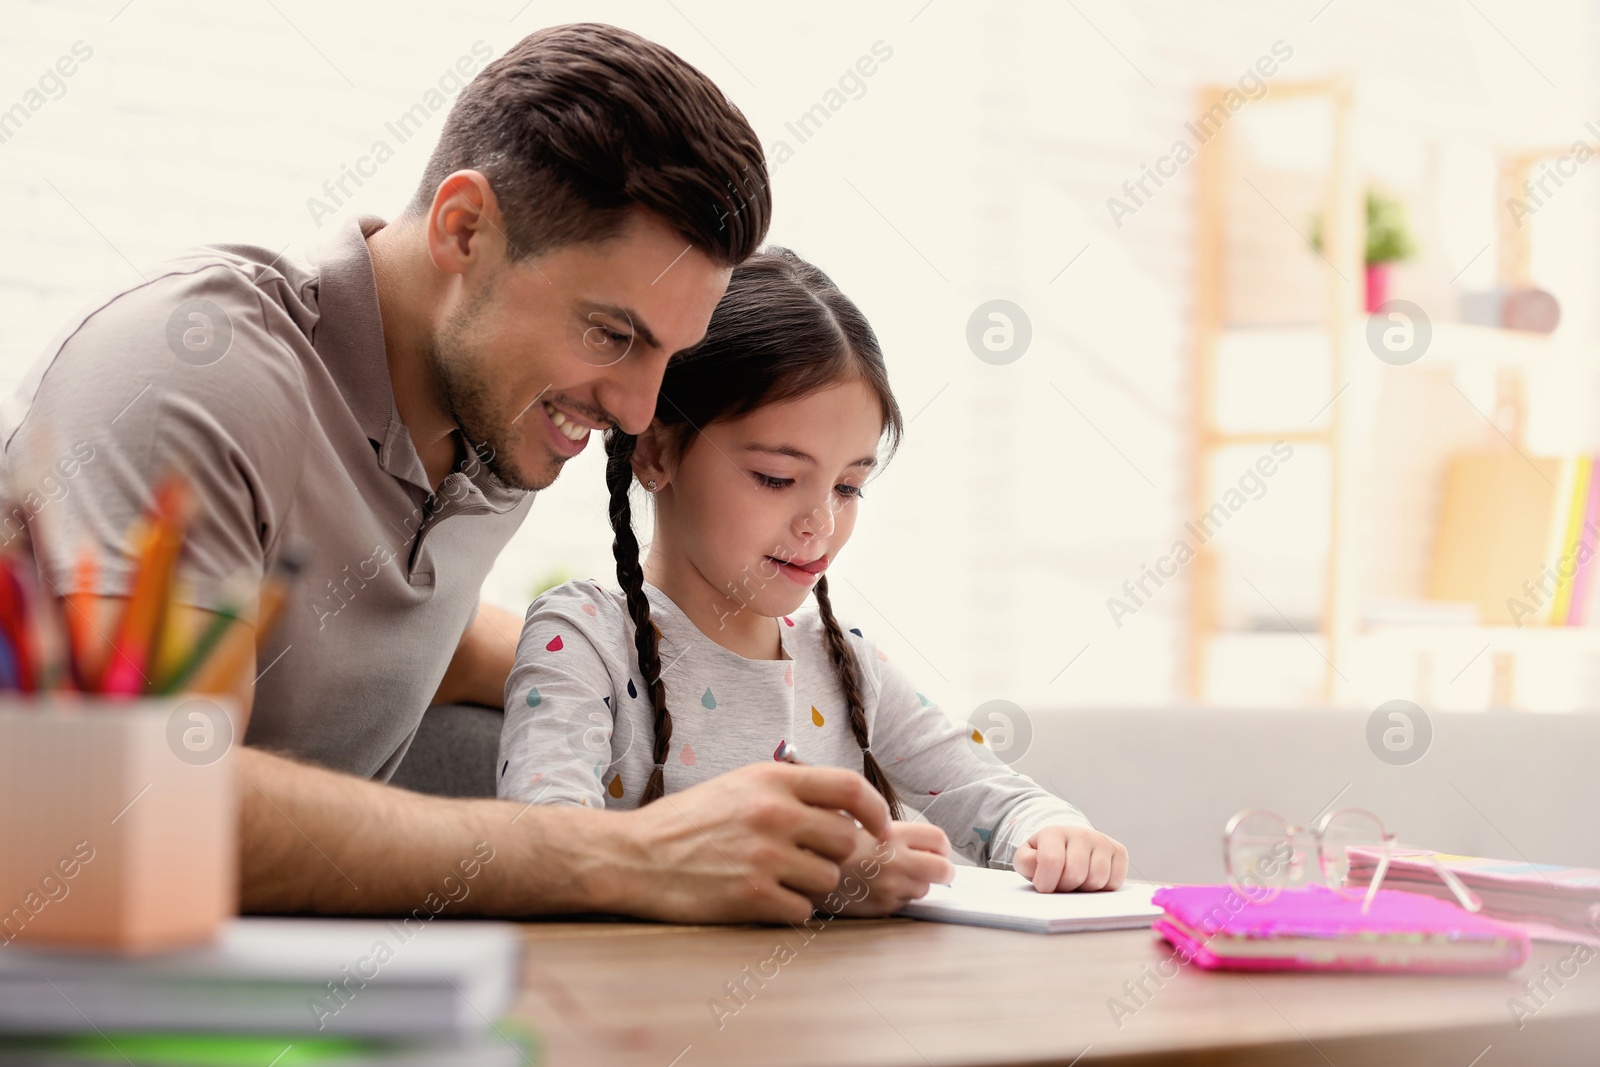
{"x": 137, "y": 634}
{"x": 83, "y": 639}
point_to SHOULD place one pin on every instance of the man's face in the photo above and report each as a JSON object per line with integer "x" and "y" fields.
{"x": 547, "y": 349}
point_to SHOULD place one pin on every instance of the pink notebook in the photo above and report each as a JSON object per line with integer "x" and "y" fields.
{"x": 1316, "y": 929}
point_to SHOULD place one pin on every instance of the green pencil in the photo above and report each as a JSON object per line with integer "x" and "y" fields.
{"x": 203, "y": 648}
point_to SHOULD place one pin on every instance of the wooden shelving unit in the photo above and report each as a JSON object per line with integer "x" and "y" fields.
{"x": 1343, "y": 240}
{"x": 1505, "y": 356}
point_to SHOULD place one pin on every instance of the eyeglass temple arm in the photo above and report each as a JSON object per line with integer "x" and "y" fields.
{"x": 1464, "y": 896}
{"x": 1468, "y": 900}
{"x": 1377, "y": 880}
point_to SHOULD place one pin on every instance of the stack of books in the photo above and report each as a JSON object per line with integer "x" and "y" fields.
{"x": 1519, "y": 538}
{"x": 282, "y": 991}
{"x": 1549, "y": 901}
{"x": 1314, "y": 928}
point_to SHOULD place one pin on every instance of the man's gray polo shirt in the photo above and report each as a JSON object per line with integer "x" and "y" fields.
{"x": 266, "y": 382}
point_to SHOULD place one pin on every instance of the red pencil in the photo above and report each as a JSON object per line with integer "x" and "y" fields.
{"x": 14, "y": 616}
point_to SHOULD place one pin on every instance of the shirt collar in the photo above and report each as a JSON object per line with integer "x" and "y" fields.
{"x": 349, "y": 335}
{"x": 678, "y": 632}
{"x": 349, "y": 338}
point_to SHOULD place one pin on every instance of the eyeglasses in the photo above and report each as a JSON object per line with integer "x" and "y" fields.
{"x": 1260, "y": 852}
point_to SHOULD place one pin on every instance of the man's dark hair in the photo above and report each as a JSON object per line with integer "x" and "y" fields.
{"x": 577, "y": 124}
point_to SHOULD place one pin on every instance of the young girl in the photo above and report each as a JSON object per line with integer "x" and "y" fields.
{"x": 763, "y": 437}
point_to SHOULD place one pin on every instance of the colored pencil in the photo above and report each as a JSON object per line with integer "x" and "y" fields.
{"x": 49, "y": 639}
{"x": 15, "y": 620}
{"x": 83, "y": 635}
{"x": 48, "y": 643}
{"x": 223, "y": 672}
{"x": 201, "y": 651}
{"x": 8, "y": 666}
{"x": 137, "y": 635}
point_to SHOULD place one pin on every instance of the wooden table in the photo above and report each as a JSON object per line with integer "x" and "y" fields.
{"x": 902, "y": 992}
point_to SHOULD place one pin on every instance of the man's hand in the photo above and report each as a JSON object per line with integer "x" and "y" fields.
{"x": 881, "y": 878}
{"x": 753, "y": 845}
{"x": 1061, "y": 859}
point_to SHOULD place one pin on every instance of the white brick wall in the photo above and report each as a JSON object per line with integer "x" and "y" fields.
{"x": 990, "y": 142}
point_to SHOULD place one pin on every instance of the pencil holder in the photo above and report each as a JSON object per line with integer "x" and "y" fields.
{"x": 118, "y": 821}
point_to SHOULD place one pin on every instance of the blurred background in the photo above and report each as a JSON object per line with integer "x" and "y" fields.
{"x": 1249, "y": 349}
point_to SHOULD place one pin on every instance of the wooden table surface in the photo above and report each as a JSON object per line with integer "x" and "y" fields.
{"x": 899, "y": 991}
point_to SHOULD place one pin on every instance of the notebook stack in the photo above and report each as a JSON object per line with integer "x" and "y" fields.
{"x": 1505, "y": 518}
{"x": 1549, "y": 901}
{"x": 284, "y": 991}
{"x": 1313, "y": 928}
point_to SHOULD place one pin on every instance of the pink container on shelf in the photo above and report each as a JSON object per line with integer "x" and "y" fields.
{"x": 1377, "y": 285}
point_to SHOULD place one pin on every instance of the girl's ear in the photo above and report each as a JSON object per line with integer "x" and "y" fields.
{"x": 649, "y": 457}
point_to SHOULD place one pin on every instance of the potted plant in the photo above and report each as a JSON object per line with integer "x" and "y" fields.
{"x": 1388, "y": 241}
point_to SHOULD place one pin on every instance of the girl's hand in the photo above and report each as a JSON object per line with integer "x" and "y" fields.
{"x": 880, "y": 878}
{"x": 1061, "y": 859}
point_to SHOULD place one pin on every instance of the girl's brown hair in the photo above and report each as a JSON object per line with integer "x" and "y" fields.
{"x": 782, "y": 331}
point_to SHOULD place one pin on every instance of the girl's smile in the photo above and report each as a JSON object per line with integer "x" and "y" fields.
{"x": 803, "y": 573}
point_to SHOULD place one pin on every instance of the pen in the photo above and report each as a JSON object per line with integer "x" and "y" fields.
{"x": 787, "y": 753}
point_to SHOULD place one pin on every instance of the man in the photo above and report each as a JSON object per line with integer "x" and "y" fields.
{"x": 387, "y": 413}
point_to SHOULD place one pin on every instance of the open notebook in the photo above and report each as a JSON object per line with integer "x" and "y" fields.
{"x": 983, "y": 897}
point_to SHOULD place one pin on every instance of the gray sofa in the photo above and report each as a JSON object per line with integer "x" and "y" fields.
{"x": 1164, "y": 781}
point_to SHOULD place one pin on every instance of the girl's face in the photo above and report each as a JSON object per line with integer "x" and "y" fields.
{"x": 759, "y": 507}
